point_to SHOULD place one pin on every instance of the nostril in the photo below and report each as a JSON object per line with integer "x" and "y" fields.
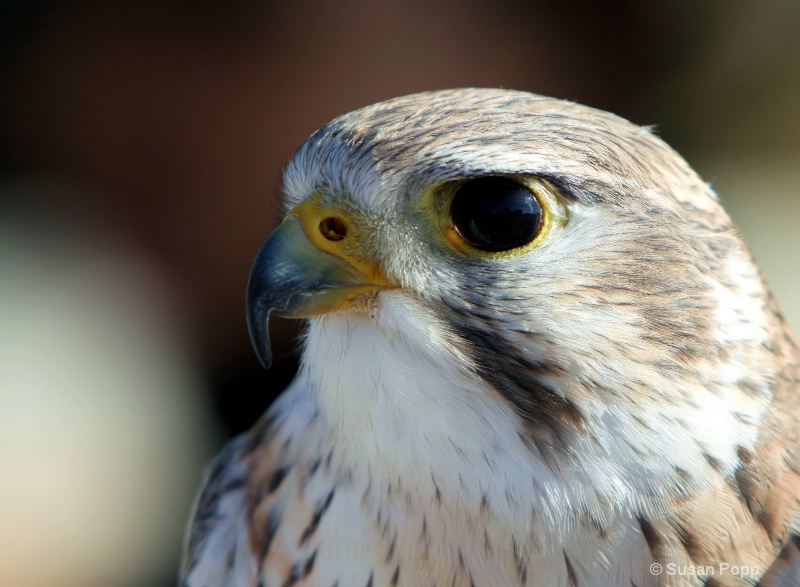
{"x": 333, "y": 229}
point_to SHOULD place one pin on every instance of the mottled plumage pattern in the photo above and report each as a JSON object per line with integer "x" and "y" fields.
{"x": 624, "y": 393}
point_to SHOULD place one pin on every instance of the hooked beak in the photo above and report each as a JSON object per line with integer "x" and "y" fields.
{"x": 308, "y": 266}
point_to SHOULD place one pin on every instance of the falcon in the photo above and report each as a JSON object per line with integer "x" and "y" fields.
{"x": 538, "y": 353}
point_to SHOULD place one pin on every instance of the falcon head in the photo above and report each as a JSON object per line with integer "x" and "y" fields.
{"x": 497, "y": 277}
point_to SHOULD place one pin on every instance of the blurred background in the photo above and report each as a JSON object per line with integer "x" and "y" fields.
{"x": 140, "y": 149}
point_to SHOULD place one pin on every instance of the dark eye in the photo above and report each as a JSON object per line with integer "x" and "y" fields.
{"x": 496, "y": 213}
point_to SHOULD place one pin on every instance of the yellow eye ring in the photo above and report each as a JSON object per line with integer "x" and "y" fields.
{"x": 497, "y": 215}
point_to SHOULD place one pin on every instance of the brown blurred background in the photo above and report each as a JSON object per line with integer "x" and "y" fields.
{"x": 140, "y": 148}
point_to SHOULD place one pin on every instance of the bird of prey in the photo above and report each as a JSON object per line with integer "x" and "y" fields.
{"x": 538, "y": 353}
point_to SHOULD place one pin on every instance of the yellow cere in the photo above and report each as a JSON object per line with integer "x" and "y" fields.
{"x": 336, "y": 232}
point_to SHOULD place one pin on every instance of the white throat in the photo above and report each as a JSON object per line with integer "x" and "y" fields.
{"x": 399, "y": 402}
{"x": 398, "y": 406}
{"x": 413, "y": 431}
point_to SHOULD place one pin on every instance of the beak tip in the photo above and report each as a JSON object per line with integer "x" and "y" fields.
{"x": 261, "y": 346}
{"x": 265, "y": 359}
{"x": 258, "y": 329}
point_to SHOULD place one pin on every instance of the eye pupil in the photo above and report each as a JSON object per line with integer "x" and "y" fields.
{"x": 496, "y": 213}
